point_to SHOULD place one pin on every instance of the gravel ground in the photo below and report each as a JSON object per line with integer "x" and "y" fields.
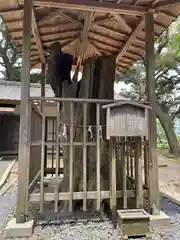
{"x": 172, "y": 231}
{"x": 87, "y": 229}
{"x": 7, "y": 205}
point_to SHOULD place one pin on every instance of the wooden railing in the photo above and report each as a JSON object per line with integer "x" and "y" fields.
{"x": 35, "y": 151}
{"x": 40, "y": 143}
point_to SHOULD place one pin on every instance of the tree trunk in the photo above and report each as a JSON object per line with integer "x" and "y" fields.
{"x": 97, "y": 82}
{"x": 167, "y": 124}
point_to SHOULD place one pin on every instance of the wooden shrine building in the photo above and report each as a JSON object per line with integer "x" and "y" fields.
{"x": 124, "y": 30}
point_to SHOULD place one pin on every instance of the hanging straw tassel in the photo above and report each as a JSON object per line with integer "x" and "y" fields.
{"x": 90, "y": 131}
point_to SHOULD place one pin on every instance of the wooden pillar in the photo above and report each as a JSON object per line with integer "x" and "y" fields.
{"x": 43, "y": 82}
{"x": 71, "y": 156}
{"x": 151, "y": 97}
{"x": 138, "y": 175}
{"x": 84, "y": 156}
{"x": 98, "y": 164}
{"x": 113, "y": 181}
{"x": 24, "y": 146}
{"x": 43, "y": 93}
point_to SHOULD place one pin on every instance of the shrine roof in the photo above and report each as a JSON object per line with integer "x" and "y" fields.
{"x": 89, "y": 28}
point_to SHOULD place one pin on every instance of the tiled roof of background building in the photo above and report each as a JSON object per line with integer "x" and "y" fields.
{"x": 10, "y": 90}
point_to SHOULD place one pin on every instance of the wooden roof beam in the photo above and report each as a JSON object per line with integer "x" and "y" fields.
{"x": 70, "y": 19}
{"x": 102, "y": 21}
{"x": 70, "y": 43}
{"x": 112, "y": 31}
{"x": 93, "y": 6}
{"x": 94, "y": 48}
{"x": 122, "y": 22}
{"x": 37, "y": 37}
{"x": 131, "y": 39}
{"x": 84, "y": 37}
{"x": 167, "y": 13}
{"x": 50, "y": 16}
{"x": 105, "y": 43}
{"x": 166, "y": 3}
{"x": 102, "y": 47}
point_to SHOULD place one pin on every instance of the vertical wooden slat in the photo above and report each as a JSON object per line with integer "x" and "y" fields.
{"x": 98, "y": 157}
{"x": 71, "y": 155}
{"x": 23, "y": 136}
{"x": 43, "y": 82}
{"x": 42, "y": 158}
{"x": 53, "y": 138}
{"x": 85, "y": 156}
{"x": 113, "y": 182}
{"x": 45, "y": 149}
{"x": 28, "y": 155}
{"x": 138, "y": 176}
{"x": 43, "y": 135}
{"x": 57, "y": 158}
{"x": 146, "y": 167}
{"x": 127, "y": 155}
{"x": 124, "y": 175}
{"x": 131, "y": 158}
{"x": 110, "y": 171}
{"x": 43, "y": 87}
{"x": 108, "y": 124}
{"x": 151, "y": 97}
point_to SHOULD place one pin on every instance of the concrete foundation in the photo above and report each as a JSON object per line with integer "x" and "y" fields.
{"x": 161, "y": 219}
{"x": 14, "y": 230}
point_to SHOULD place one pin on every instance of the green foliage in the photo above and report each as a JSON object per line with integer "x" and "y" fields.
{"x": 36, "y": 77}
{"x": 167, "y": 76}
{"x": 162, "y": 142}
{"x": 174, "y": 42}
{"x": 11, "y": 59}
{"x": 167, "y": 73}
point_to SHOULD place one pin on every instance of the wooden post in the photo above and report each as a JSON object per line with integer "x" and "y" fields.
{"x": 131, "y": 158}
{"x": 71, "y": 155}
{"x": 43, "y": 89}
{"x": 28, "y": 155}
{"x": 98, "y": 156}
{"x": 151, "y": 97}
{"x": 138, "y": 175}
{"x": 43, "y": 82}
{"x": 146, "y": 163}
{"x": 113, "y": 182}
{"x": 57, "y": 158}
{"x": 24, "y": 122}
{"x": 127, "y": 154}
{"x": 42, "y": 156}
{"x": 124, "y": 168}
{"x": 85, "y": 156}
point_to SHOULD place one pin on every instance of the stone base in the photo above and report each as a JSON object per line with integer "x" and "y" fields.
{"x": 20, "y": 230}
{"x": 161, "y": 219}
